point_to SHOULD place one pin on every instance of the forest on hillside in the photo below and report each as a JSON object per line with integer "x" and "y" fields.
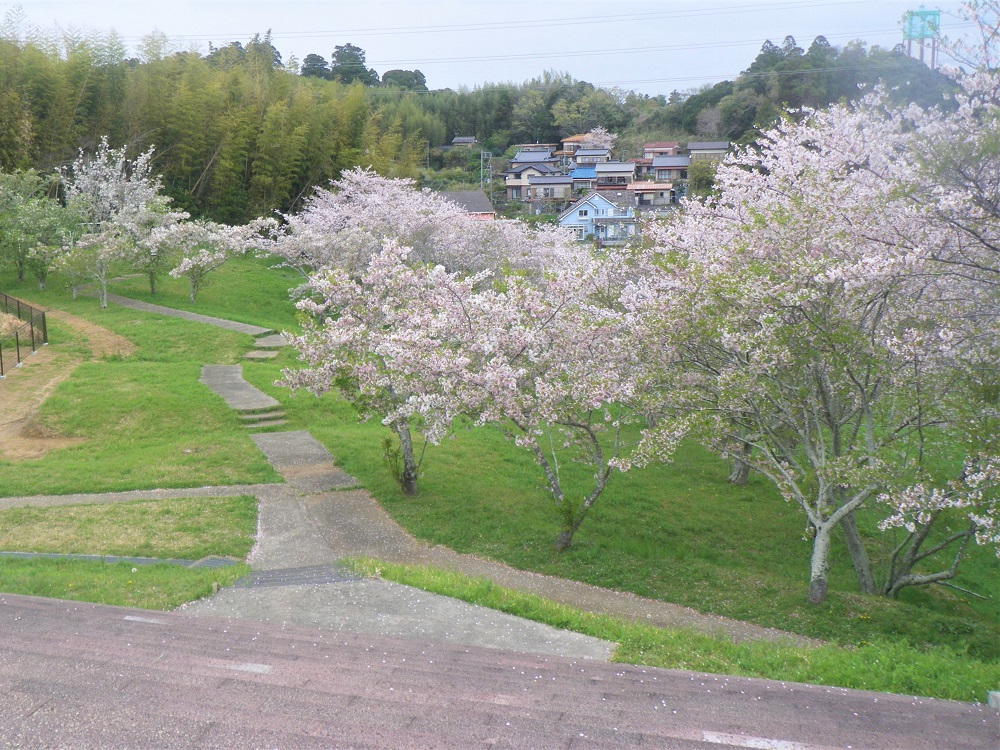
{"x": 239, "y": 132}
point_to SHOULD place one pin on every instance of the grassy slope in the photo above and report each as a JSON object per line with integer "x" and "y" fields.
{"x": 145, "y": 419}
{"x": 185, "y": 528}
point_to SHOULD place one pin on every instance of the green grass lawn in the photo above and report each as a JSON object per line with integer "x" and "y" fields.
{"x": 144, "y": 420}
{"x": 178, "y": 528}
{"x": 120, "y": 584}
{"x": 185, "y": 528}
{"x": 249, "y": 290}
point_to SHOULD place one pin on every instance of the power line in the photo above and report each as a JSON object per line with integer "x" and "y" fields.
{"x": 617, "y": 18}
{"x": 616, "y": 51}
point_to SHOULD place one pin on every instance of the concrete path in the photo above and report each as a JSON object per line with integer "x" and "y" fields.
{"x": 293, "y": 537}
{"x": 227, "y": 381}
{"x": 229, "y": 325}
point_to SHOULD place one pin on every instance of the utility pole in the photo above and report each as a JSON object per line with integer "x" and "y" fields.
{"x": 486, "y": 172}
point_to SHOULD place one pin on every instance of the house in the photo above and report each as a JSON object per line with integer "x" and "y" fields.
{"x": 653, "y": 196}
{"x": 584, "y": 178}
{"x": 592, "y": 155}
{"x": 554, "y": 187}
{"x": 614, "y": 174}
{"x": 573, "y": 143}
{"x": 643, "y": 168}
{"x": 660, "y": 148}
{"x": 547, "y": 147}
{"x": 595, "y": 216}
{"x": 517, "y": 178}
{"x": 534, "y": 157}
{"x": 708, "y": 150}
{"x": 671, "y": 168}
{"x": 463, "y": 140}
{"x": 477, "y": 206}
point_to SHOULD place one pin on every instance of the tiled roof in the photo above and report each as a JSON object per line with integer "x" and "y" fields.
{"x": 523, "y": 157}
{"x": 593, "y": 152}
{"x": 539, "y": 166}
{"x": 708, "y": 145}
{"x": 555, "y": 179}
{"x": 671, "y": 162}
{"x": 615, "y": 166}
{"x": 473, "y": 201}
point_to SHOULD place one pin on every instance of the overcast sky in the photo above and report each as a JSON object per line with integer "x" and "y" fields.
{"x": 653, "y": 46}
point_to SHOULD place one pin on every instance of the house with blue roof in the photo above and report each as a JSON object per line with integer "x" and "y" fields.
{"x": 584, "y": 178}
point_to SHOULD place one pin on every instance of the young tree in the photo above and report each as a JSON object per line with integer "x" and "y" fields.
{"x": 363, "y": 333}
{"x": 203, "y": 246}
{"x": 119, "y": 202}
{"x": 545, "y": 360}
{"x": 32, "y": 225}
{"x": 540, "y": 357}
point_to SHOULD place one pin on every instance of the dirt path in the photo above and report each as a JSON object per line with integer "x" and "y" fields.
{"x": 25, "y": 388}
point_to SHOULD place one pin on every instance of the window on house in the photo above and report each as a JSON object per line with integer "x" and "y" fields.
{"x": 583, "y": 212}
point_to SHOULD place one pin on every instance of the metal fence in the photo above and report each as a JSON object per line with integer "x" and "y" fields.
{"x": 24, "y": 339}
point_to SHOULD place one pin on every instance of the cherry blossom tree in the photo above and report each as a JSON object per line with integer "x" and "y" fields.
{"x": 202, "y": 246}
{"x": 599, "y": 137}
{"x": 802, "y": 312}
{"x": 345, "y": 226}
{"x": 361, "y": 337}
{"x": 119, "y": 202}
{"x": 545, "y": 360}
{"x": 540, "y": 357}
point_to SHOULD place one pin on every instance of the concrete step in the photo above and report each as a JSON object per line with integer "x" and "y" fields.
{"x": 267, "y": 423}
{"x": 250, "y": 416}
{"x": 261, "y": 354}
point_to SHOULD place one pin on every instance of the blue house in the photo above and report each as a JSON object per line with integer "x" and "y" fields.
{"x": 601, "y": 219}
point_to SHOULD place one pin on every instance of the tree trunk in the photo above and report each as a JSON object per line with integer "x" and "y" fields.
{"x": 408, "y": 479}
{"x": 741, "y": 469}
{"x": 152, "y": 283}
{"x": 859, "y": 556}
{"x": 819, "y": 565}
{"x": 564, "y": 540}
